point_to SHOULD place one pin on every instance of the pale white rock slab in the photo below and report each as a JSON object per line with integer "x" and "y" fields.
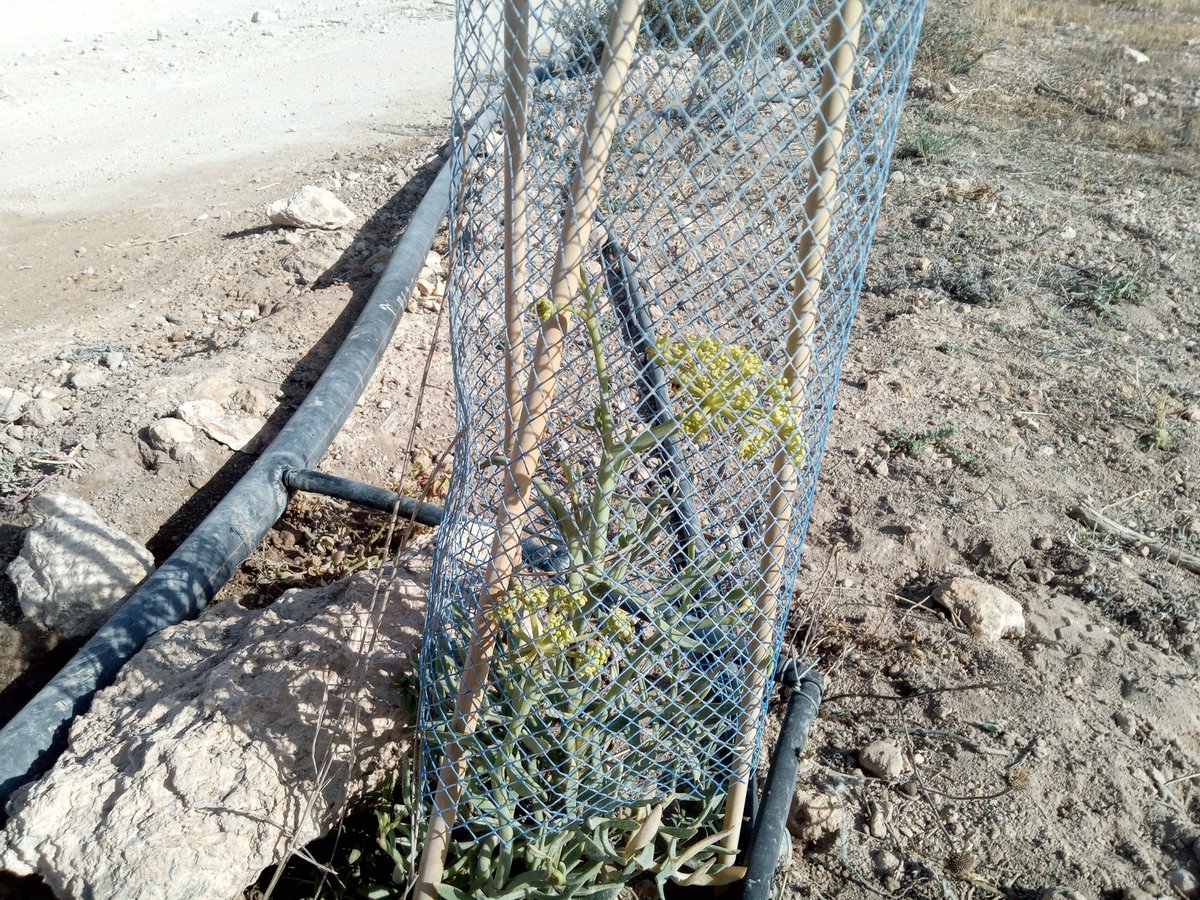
{"x": 987, "y": 610}
{"x": 233, "y": 430}
{"x": 311, "y": 207}
{"x": 12, "y": 404}
{"x": 166, "y": 434}
{"x": 195, "y": 770}
{"x": 74, "y": 569}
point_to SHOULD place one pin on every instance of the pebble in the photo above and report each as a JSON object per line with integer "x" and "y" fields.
{"x": 87, "y": 379}
{"x": 1125, "y": 721}
{"x": 878, "y": 823}
{"x": 815, "y": 816}
{"x": 880, "y": 467}
{"x": 988, "y": 611}
{"x": 1184, "y": 882}
{"x": 1137, "y": 57}
{"x": 1043, "y": 543}
{"x": 113, "y": 359}
{"x": 886, "y": 863}
{"x": 166, "y": 434}
{"x": 12, "y": 404}
{"x": 882, "y": 759}
{"x": 310, "y": 207}
{"x": 385, "y": 404}
{"x": 42, "y": 412}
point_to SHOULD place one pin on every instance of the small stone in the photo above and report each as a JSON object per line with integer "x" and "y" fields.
{"x": 166, "y": 434}
{"x": 1043, "y": 543}
{"x": 1041, "y": 576}
{"x": 1133, "y": 893}
{"x": 1125, "y": 721}
{"x": 251, "y": 400}
{"x": 880, "y": 468}
{"x": 1137, "y": 57}
{"x": 385, "y": 404}
{"x": 261, "y": 17}
{"x": 190, "y": 452}
{"x": 433, "y": 260}
{"x": 988, "y": 611}
{"x": 311, "y": 207}
{"x": 113, "y": 359}
{"x": 1184, "y": 882}
{"x": 41, "y": 413}
{"x": 310, "y": 264}
{"x": 882, "y": 759}
{"x": 877, "y": 826}
{"x": 815, "y": 817}
{"x": 886, "y": 863}
{"x": 1060, "y": 892}
{"x": 87, "y": 379}
{"x": 12, "y": 404}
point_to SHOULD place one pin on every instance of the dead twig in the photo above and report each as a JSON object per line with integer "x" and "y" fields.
{"x": 919, "y": 694}
{"x": 1093, "y": 518}
{"x": 1047, "y": 91}
{"x": 962, "y": 739}
{"x": 169, "y": 237}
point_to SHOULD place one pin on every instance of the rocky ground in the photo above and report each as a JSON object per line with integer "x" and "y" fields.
{"x": 1028, "y": 341}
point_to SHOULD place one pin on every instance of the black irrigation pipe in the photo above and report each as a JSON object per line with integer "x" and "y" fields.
{"x": 655, "y": 407}
{"x": 769, "y": 829}
{"x": 189, "y": 579}
{"x": 538, "y": 554}
{"x": 407, "y": 509}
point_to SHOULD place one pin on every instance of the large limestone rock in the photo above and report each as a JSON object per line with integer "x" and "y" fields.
{"x": 74, "y": 570}
{"x": 311, "y": 207}
{"x": 195, "y": 770}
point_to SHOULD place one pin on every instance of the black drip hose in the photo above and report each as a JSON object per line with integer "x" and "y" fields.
{"x": 655, "y": 406}
{"x": 770, "y": 822}
{"x": 537, "y": 554}
{"x": 363, "y": 494}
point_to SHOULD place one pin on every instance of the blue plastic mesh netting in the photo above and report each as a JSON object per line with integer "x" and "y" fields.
{"x": 627, "y": 657}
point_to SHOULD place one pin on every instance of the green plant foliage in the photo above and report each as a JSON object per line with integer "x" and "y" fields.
{"x": 947, "y": 47}
{"x": 941, "y": 439}
{"x": 1104, "y": 290}
{"x": 925, "y": 143}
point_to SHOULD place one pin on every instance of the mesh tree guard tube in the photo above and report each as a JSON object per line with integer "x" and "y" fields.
{"x": 655, "y": 265}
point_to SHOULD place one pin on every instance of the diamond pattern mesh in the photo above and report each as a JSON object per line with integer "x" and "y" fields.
{"x": 613, "y": 642}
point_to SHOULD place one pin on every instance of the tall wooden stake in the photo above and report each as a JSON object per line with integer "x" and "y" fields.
{"x": 532, "y": 420}
{"x": 841, "y": 52}
{"x": 516, "y": 106}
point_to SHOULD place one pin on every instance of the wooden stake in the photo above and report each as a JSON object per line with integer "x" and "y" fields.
{"x": 516, "y": 105}
{"x": 534, "y": 415}
{"x": 841, "y": 52}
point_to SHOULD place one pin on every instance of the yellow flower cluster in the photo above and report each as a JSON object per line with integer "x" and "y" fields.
{"x": 546, "y": 622}
{"x": 731, "y": 388}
